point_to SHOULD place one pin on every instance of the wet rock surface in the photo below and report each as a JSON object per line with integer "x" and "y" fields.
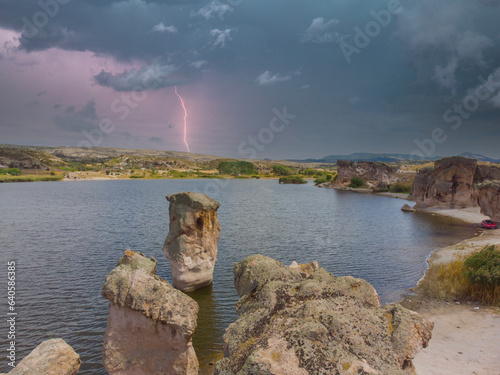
{"x": 291, "y": 323}
{"x": 150, "y": 325}
{"x": 191, "y": 244}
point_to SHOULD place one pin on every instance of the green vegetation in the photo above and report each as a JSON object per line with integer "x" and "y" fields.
{"x": 178, "y": 174}
{"x": 356, "y": 182}
{"x": 399, "y": 187}
{"x": 30, "y": 178}
{"x": 11, "y": 171}
{"x": 282, "y": 170}
{"x": 475, "y": 278}
{"x": 325, "y": 178}
{"x": 292, "y": 180}
{"x": 235, "y": 167}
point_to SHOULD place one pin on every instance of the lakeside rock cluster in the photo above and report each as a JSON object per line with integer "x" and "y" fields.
{"x": 292, "y": 322}
{"x": 458, "y": 182}
{"x": 372, "y": 173}
{"x": 191, "y": 244}
{"x": 150, "y": 324}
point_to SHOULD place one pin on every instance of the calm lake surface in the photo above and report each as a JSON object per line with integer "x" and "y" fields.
{"x": 65, "y": 237}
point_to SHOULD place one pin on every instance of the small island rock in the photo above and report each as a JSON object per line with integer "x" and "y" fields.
{"x": 191, "y": 244}
{"x": 407, "y": 208}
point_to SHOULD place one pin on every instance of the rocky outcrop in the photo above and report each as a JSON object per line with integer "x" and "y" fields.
{"x": 51, "y": 357}
{"x": 150, "y": 324}
{"x": 291, "y": 323}
{"x": 449, "y": 184}
{"x": 489, "y": 199}
{"x": 372, "y": 173}
{"x": 486, "y": 173}
{"x": 191, "y": 244}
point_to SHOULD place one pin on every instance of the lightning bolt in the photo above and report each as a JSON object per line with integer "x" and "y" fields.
{"x": 185, "y": 118}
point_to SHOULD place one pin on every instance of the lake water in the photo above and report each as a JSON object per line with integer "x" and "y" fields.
{"x": 65, "y": 237}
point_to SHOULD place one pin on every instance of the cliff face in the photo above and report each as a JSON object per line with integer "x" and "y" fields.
{"x": 370, "y": 172}
{"x": 293, "y": 322}
{"x": 489, "y": 199}
{"x": 150, "y": 324}
{"x": 191, "y": 244}
{"x": 451, "y": 183}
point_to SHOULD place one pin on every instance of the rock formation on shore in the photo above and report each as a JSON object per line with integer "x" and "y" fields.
{"x": 150, "y": 324}
{"x": 449, "y": 184}
{"x": 292, "y": 323}
{"x": 51, "y": 357}
{"x": 372, "y": 173}
{"x": 191, "y": 244}
{"x": 452, "y": 183}
{"x": 489, "y": 199}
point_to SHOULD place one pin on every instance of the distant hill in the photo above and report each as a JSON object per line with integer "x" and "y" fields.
{"x": 388, "y": 158}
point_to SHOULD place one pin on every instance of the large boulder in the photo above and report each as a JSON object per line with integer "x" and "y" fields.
{"x": 150, "y": 325}
{"x": 489, "y": 199}
{"x": 449, "y": 184}
{"x": 51, "y": 357}
{"x": 373, "y": 173}
{"x": 291, "y": 322}
{"x": 191, "y": 244}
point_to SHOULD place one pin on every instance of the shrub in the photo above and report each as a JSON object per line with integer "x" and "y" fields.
{"x": 236, "y": 167}
{"x": 329, "y": 177}
{"x": 484, "y": 267}
{"x": 475, "y": 278}
{"x": 292, "y": 180}
{"x": 11, "y": 171}
{"x": 282, "y": 170}
{"x": 399, "y": 187}
{"x": 356, "y": 182}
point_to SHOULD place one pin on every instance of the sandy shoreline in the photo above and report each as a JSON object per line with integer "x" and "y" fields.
{"x": 465, "y": 337}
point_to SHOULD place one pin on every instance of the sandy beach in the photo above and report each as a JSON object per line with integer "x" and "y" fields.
{"x": 465, "y": 337}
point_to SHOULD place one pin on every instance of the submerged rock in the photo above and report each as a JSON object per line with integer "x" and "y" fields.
{"x": 489, "y": 199}
{"x": 51, "y": 357}
{"x": 407, "y": 208}
{"x": 290, "y": 323}
{"x": 150, "y": 324}
{"x": 191, "y": 244}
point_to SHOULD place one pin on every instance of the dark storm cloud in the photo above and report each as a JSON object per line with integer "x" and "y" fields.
{"x": 78, "y": 120}
{"x": 149, "y": 77}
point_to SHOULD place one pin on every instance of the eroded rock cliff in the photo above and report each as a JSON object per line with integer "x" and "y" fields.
{"x": 191, "y": 244}
{"x": 292, "y": 323}
{"x": 449, "y": 184}
{"x": 150, "y": 324}
{"x": 489, "y": 199}
{"x": 371, "y": 173}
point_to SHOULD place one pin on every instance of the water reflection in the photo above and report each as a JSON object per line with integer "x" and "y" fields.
{"x": 206, "y": 340}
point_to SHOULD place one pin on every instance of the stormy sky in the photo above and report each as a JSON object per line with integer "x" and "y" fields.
{"x": 259, "y": 78}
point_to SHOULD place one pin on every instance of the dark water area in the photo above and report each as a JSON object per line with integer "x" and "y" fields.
{"x": 65, "y": 237}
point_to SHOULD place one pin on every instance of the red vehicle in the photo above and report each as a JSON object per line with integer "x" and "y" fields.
{"x": 488, "y": 224}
